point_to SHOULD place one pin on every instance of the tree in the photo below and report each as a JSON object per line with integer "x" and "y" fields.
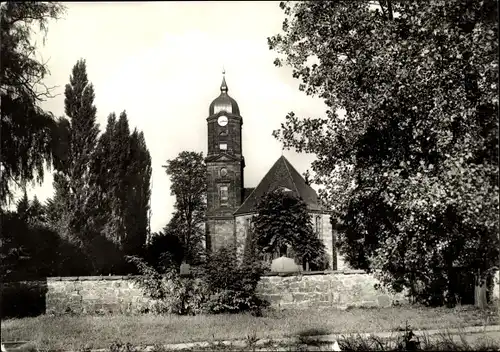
{"x": 37, "y": 212}
{"x": 165, "y": 251}
{"x": 188, "y": 184}
{"x": 110, "y": 170}
{"x": 31, "y": 249}
{"x": 26, "y": 129}
{"x": 283, "y": 221}
{"x": 122, "y": 171}
{"x": 139, "y": 194}
{"x": 23, "y": 206}
{"x": 411, "y": 164}
{"x": 32, "y": 213}
{"x": 75, "y": 190}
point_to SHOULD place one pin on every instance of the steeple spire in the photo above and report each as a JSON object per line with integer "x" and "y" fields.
{"x": 223, "y": 86}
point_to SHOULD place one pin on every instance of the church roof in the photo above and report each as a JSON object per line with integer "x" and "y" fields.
{"x": 281, "y": 175}
{"x": 247, "y": 191}
{"x": 224, "y": 102}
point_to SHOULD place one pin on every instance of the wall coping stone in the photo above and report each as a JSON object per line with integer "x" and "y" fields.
{"x": 131, "y": 277}
{"x": 310, "y": 273}
{"x": 92, "y": 278}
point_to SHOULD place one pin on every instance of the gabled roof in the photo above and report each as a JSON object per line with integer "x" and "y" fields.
{"x": 247, "y": 191}
{"x": 281, "y": 175}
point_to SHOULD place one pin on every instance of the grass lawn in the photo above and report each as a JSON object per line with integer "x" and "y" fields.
{"x": 76, "y": 332}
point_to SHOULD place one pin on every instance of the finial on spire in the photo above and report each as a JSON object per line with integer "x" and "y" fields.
{"x": 223, "y": 86}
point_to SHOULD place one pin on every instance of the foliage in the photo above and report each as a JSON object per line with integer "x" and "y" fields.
{"x": 78, "y": 198}
{"x": 222, "y": 286}
{"x": 188, "y": 184}
{"x": 139, "y": 194}
{"x": 22, "y": 299}
{"x": 170, "y": 293}
{"x": 78, "y": 211}
{"x": 164, "y": 250}
{"x": 32, "y": 250}
{"x": 283, "y": 220}
{"x": 232, "y": 285}
{"x": 122, "y": 171}
{"x": 407, "y": 153}
{"x": 26, "y": 128}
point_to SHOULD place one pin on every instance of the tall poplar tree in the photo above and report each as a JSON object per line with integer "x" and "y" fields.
{"x": 122, "y": 169}
{"x": 73, "y": 182}
{"x": 138, "y": 195}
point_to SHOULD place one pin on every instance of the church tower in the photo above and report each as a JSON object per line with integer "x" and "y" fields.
{"x": 225, "y": 164}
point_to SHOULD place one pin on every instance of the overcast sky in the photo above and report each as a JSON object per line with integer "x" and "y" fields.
{"x": 162, "y": 63}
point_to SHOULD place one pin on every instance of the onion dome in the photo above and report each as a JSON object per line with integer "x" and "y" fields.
{"x": 224, "y": 103}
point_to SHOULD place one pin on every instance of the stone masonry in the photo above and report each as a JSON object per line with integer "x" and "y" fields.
{"x": 121, "y": 295}
{"x": 340, "y": 289}
{"x": 94, "y": 295}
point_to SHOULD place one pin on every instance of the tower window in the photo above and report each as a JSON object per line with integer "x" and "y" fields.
{"x": 223, "y": 146}
{"x": 224, "y": 195}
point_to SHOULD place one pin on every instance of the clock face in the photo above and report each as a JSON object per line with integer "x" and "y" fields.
{"x": 222, "y": 120}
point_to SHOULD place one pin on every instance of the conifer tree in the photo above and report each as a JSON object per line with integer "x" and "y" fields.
{"x": 23, "y": 206}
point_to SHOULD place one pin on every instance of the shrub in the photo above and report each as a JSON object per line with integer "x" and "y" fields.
{"x": 168, "y": 291}
{"x": 232, "y": 285}
{"x": 22, "y": 299}
{"x": 223, "y": 286}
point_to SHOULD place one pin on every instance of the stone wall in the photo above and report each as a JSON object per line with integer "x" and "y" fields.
{"x": 94, "y": 295}
{"x": 120, "y": 294}
{"x": 341, "y": 289}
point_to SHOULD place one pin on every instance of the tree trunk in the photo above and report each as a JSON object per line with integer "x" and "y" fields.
{"x": 480, "y": 299}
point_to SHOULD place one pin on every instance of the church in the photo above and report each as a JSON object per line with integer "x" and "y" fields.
{"x": 231, "y": 206}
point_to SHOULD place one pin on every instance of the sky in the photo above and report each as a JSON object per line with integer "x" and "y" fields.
{"x": 162, "y": 63}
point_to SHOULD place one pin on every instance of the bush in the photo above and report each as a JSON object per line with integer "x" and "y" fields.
{"x": 232, "y": 285}
{"x": 168, "y": 291}
{"x": 22, "y": 299}
{"x": 223, "y": 285}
